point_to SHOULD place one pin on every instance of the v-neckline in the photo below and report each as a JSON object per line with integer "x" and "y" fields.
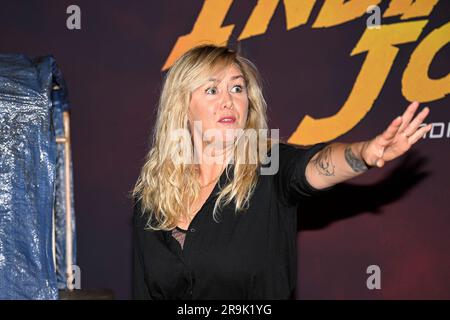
{"x": 222, "y": 179}
{"x": 209, "y": 198}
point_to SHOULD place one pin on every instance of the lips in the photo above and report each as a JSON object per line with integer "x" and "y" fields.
{"x": 227, "y": 119}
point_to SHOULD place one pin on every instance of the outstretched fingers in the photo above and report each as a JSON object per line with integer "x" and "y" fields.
{"x": 388, "y": 135}
{"x": 418, "y": 134}
{"x": 408, "y": 115}
{"x": 418, "y": 120}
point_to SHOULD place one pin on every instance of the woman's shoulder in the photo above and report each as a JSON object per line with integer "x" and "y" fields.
{"x": 283, "y": 151}
{"x": 284, "y": 157}
{"x": 288, "y": 150}
{"x": 140, "y": 216}
{"x": 288, "y": 147}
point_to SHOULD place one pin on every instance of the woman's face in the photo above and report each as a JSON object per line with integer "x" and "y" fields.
{"x": 220, "y": 104}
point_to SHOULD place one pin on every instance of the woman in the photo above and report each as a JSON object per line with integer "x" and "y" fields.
{"x": 208, "y": 222}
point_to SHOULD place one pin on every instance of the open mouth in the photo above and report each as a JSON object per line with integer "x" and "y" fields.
{"x": 227, "y": 120}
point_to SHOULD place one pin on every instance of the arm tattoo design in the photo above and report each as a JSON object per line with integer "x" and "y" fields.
{"x": 354, "y": 162}
{"x": 323, "y": 162}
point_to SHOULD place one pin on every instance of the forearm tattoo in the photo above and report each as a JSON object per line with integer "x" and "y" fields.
{"x": 323, "y": 162}
{"x": 354, "y": 162}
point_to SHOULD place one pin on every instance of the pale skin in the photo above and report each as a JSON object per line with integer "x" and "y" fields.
{"x": 226, "y": 95}
{"x": 339, "y": 162}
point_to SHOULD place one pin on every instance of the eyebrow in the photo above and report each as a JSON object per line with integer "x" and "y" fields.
{"x": 232, "y": 78}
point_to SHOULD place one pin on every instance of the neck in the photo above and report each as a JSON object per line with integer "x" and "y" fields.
{"x": 212, "y": 162}
{"x": 209, "y": 174}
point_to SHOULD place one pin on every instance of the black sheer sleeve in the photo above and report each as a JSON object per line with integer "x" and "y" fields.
{"x": 290, "y": 179}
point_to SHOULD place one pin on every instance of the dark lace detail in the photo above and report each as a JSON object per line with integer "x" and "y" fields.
{"x": 179, "y": 236}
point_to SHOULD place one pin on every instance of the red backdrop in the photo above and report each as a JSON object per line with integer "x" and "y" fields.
{"x": 327, "y": 78}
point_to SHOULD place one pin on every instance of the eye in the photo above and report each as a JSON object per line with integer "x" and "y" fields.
{"x": 239, "y": 89}
{"x": 211, "y": 90}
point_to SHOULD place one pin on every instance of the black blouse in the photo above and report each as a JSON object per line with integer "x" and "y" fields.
{"x": 248, "y": 255}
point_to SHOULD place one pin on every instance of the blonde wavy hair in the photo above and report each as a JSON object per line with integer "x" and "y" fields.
{"x": 163, "y": 186}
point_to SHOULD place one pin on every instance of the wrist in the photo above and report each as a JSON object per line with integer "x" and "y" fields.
{"x": 361, "y": 152}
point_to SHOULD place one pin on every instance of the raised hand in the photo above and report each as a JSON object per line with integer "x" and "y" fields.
{"x": 400, "y": 135}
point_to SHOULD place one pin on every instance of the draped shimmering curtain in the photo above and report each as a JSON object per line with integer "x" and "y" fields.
{"x": 32, "y": 196}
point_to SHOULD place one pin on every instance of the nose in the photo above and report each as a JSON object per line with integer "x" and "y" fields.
{"x": 227, "y": 101}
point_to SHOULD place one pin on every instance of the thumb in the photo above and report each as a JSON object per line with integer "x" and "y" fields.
{"x": 380, "y": 163}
